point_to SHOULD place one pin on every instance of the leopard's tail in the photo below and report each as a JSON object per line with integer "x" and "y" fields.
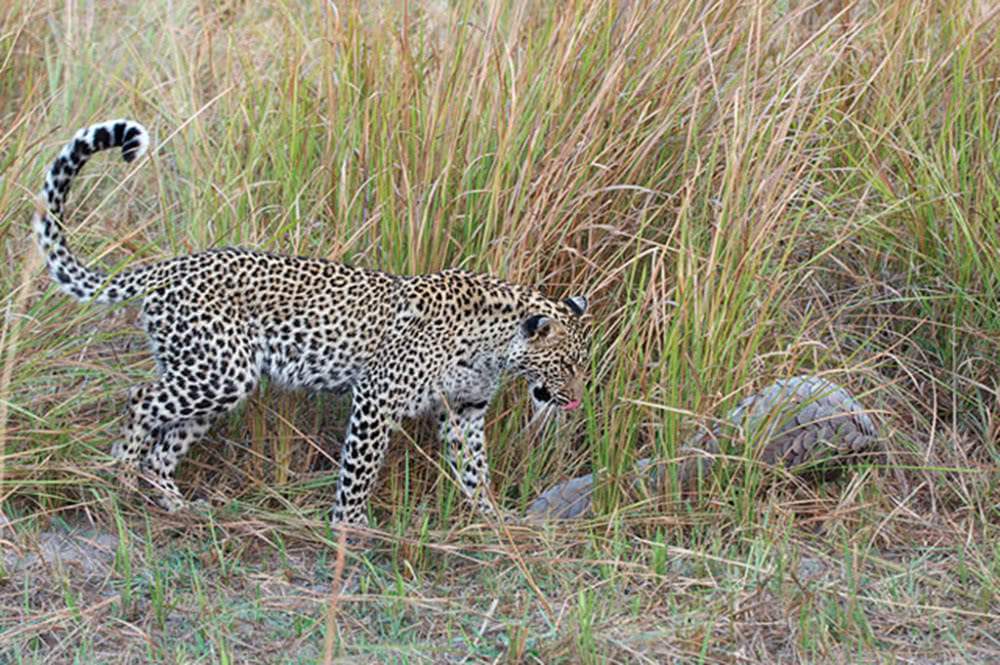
{"x": 72, "y": 276}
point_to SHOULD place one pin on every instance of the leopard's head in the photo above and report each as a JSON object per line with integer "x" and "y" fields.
{"x": 550, "y": 351}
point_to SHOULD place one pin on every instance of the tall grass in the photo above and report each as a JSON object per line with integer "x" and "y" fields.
{"x": 747, "y": 189}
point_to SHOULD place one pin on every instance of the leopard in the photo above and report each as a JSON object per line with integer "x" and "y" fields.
{"x": 218, "y": 321}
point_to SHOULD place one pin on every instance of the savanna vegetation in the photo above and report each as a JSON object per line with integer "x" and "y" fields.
{"x": 747, "y": 189}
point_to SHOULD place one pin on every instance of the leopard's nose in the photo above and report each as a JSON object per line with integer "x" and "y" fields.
{"x": 574, "y": 390}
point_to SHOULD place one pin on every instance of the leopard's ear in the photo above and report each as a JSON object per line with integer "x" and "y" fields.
{"x": 577, "y": 303}
{"x": 536, "y": 327}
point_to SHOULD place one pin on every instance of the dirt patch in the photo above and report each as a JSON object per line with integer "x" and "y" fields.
{"x": 84, "y": 550}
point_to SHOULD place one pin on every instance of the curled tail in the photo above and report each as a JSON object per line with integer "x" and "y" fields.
{"x": 72, "y": 276}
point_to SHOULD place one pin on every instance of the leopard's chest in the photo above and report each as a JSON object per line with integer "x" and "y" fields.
{"x": 472, "y": 381}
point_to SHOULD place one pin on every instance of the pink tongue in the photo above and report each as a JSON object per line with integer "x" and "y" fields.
{"x": 571, "y": 405}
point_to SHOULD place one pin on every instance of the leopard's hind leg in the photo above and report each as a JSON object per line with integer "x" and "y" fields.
{"x": 137, "y": 439}
{"x": 206, "y": 358}
{"x": 166, "y": 418}
{"x": 160, "y": 463}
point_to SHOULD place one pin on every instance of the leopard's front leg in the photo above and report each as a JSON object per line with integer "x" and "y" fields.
{"x": 462, "y": 430}
{"x": 361, "y": 457}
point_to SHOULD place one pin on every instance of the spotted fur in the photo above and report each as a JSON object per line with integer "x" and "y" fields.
{"x": 404, "y": 346}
